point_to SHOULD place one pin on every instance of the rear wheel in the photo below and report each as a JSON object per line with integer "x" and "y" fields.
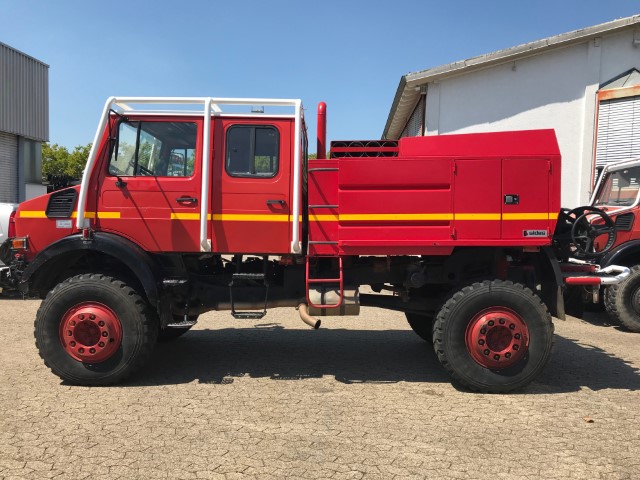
{"x": 494, "y": 336}
{"x": 622, "y": 301}
{"x": 421, "y": 325}
{"x": 94, "y": 330}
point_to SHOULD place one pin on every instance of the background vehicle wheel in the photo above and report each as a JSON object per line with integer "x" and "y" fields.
{"x": 622, "y": 301}
{"x": 493, "y": 336}
{"x": 94, "y": 330}
{"x": 421, "y": 324}
{"x": 171, "y": 333}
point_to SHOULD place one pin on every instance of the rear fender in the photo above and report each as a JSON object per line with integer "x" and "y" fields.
{"x": 551, "y": 283}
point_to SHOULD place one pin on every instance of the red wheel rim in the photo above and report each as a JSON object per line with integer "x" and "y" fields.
{"x": 90, "y": 332}
{"x": 497, "y": 338}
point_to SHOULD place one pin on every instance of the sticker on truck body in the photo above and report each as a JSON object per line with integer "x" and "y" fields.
{"x": 64, "y": 224}
{"x": 535, "y": 233}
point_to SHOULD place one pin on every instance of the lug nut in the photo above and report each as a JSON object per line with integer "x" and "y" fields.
{"x": 496, "y": 357}
{"x": 486, "y": 352}
{"x": 483, "y": 331}
{"x": 92, "y": 316}
{"x": 491, "y": 323}
{"x": 72, "y": 343}
{"x": 105, "y": 334}
{"x": 501, "y": 321}
{"x": 81, "y": 350}
{"x": 92, "y": 350}
{"x": 101, "y": 323}
{"x": 81, "y": 317}
{"x": 481, "y": 342}
{"x": 508, "y": 354}
{"x": 69, "y": 333}
{"x": 517, "y": 336}
{"x": 512, "y": 326}
{"x": 516, "y": 347}
{"x": 101, "y": 344}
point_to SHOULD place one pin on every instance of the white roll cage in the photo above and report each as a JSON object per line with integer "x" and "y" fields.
{"x": 211, "y": 107}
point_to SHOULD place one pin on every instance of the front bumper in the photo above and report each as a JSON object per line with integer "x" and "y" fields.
{"x": 7, "y": 281}
{"x": 586, "y": 274}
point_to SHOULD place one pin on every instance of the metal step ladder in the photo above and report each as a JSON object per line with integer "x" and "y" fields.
{"x": 326, "y": 281}
{"x": 254, "y": 278}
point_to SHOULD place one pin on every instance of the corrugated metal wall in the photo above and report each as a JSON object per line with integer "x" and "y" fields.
{"x": 24, "y": 95}
{"x": 618, "y": 135}
{"x": 414, "y": 125}
{"x": 8, "y": 168}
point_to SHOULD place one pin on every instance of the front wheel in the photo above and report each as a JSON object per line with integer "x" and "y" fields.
{"x": 94, "y": 330}
{"x": 494, "y": 336}
{"x": 622, "y": 301}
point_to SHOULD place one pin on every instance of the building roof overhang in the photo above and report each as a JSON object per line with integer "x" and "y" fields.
{"x": 409, "y": 88}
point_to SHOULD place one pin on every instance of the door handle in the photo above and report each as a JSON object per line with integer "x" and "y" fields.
{"x": 191, "y": 200}
{"x": 276, "y": 202}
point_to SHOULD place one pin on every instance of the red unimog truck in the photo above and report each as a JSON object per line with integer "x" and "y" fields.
{"x": 185, "y": 211}
{"x": 617, "y": 193}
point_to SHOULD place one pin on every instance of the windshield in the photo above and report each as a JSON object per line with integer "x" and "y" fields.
{"x": 619, "y": 187}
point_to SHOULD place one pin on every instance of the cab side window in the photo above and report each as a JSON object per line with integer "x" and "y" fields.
{"x": 252, "y": 151}
{"x": 157, "y": 149}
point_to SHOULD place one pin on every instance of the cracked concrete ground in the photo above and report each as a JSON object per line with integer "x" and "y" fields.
{"x": 363, "y": 397}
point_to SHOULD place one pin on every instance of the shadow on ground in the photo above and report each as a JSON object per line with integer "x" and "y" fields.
{"x": 355, "y": 356}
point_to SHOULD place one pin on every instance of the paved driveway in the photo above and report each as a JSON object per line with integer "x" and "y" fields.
{"x": 362, "y": 397}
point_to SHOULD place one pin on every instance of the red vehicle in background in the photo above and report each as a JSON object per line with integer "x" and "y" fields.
{"x": 618, "y": 193}
{"x": 183, "y": 212}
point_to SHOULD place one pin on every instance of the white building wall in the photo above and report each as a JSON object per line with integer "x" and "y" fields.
{"x": 556, "y": 89}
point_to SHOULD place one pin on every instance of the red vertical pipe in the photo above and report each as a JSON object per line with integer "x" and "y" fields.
{"x": 322, "y": 131}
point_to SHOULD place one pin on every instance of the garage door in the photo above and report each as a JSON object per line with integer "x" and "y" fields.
{"x": 618, "y": 135}
{"x": 8, "y": 168}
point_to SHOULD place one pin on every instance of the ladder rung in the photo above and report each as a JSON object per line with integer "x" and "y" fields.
{"x": 248, "y": 276}
{"x": 248, "y": 315}
{"x": 324, "y": 280}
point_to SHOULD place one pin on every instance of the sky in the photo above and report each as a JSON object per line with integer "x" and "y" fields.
{"x": 350, "y": 54}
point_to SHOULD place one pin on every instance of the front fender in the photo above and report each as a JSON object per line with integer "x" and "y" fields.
{"x": 620, "y": 254}
{"x": 48, "y": 261}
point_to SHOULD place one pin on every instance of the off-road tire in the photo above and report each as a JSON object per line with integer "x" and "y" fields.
{"x": 619, "y": 301}
{"x": 450, "y": 326}
{"x": 171, "y": 333}
{"x": 422, "y": 325}
{"x": 139, "y": 329}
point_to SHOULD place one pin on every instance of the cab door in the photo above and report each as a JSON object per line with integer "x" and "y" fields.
{"x": 251, "y": 188}
{"x": 150, "y": 191}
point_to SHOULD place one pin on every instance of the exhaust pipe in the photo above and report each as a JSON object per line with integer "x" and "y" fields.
{"x": 322, "y": 131}
{"x": 306, "y": 318}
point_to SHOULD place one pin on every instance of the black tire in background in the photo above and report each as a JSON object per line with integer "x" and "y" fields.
{"x": 138, "y": 324}
{"x": 422, "y": 325}
{"x": 450, "y": 331}
{"x": 622, "y": 301}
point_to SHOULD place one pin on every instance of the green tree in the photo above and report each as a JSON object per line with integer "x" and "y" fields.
{"x": 57, "y": 160}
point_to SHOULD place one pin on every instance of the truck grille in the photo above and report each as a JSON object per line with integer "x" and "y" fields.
{"x": 364, "y": 148}
{"x": 624, "y": 222}
{"x": 61, "y": 203}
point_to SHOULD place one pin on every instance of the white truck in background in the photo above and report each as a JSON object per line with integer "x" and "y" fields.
{"x": 6, "y": 209}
